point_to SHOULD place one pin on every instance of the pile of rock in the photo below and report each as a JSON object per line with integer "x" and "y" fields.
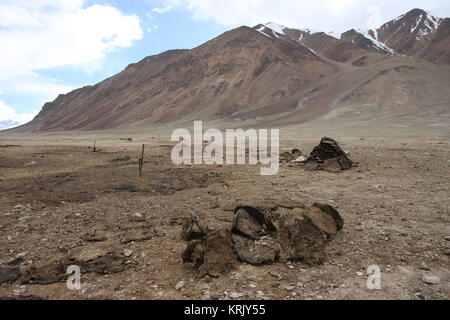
{"x": 328, "y": 156}
{"x": 262, "y": 234}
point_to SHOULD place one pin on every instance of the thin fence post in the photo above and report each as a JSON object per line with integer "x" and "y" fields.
{"x": 141, "y": 161}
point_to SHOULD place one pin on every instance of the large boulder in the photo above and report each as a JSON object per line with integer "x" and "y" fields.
{"x": 251, "y": 222}
{"x": 301, "y": 239}
{"x": 256, "y": 252}
{"x": 213, "y": 255}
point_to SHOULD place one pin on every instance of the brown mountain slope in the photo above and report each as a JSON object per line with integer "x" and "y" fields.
{"x": 394, "y": 91}
{"x": 240, "y": 74}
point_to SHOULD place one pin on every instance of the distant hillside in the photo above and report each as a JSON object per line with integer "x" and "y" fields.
{"x": 273, "y": 75}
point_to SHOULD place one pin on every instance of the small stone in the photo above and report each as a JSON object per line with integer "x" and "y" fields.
{"x": 359, "y": 274}
{"x": 180, "y": 285}
{"x": 296, "y": 152}
{"x": 19, "y": 208}
{"x": 300, "y": 160}
{"x": 252, "y": 285}
{"x": 290, "y": 288}
{"x": 424, "y": 267}
{"x": 20, "y": 290}
{"x": 431, "y": 279}
{"x": 447, "y": 238}
{"x": 236, "y": 295}
{"x": 9, "y": 275}
{"x": 419, "y": 296}
{"x": 160, "y": 294}
{"x": 276, "y": 275}
{"x": 127, "y": 252}
{"x": 126, "y": 188}
{"x": 215, "y": 296}
{"x": 291, "y": 266}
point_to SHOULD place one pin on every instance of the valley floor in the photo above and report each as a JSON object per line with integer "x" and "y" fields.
{"x": 56, "y": 195}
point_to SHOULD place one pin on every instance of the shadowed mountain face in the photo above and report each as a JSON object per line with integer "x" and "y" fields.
{"x": 272, "y": 75}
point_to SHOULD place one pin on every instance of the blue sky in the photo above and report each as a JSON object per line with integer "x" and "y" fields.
{"x": 54, "y": 46}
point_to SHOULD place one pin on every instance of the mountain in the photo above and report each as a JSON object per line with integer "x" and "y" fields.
{"x": 273, "y": 75}
{"x": 410, "y": 33}
{"x": 239, "y": 74}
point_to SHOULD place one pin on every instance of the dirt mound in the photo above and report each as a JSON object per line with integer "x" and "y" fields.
{"x": 262, "y": 235}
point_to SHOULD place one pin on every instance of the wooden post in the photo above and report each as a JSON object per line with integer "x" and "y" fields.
{"x": 141, "y": 161}
{"x": 159, "y": 137}
{"x": 95, "y": 150}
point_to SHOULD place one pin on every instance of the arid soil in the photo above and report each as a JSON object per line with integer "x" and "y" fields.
{"x": 59, "y": 200}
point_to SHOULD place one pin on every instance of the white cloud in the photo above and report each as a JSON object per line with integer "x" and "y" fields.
{"x": 43, "y": 34}
{"x": 162, "y": 10}
{"x": 8, "y": 113}
{"x": 60, "y": 33}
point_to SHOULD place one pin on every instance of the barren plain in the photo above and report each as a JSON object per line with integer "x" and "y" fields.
{"x": 57, "y": 196}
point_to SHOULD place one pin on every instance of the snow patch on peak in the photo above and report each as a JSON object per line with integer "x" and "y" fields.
{"x": 376, "y": 44}
{"x": 418, "y": 21}
{"x": 399, "y": 18}
{"x": 261, "y": 30}
{"x": 433, "y": 20}
{"x": 333, "y": 34}
{"x": 430, "y": 25}
{"x": 278, "y": 28}
{"x": 329, "y": 33}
